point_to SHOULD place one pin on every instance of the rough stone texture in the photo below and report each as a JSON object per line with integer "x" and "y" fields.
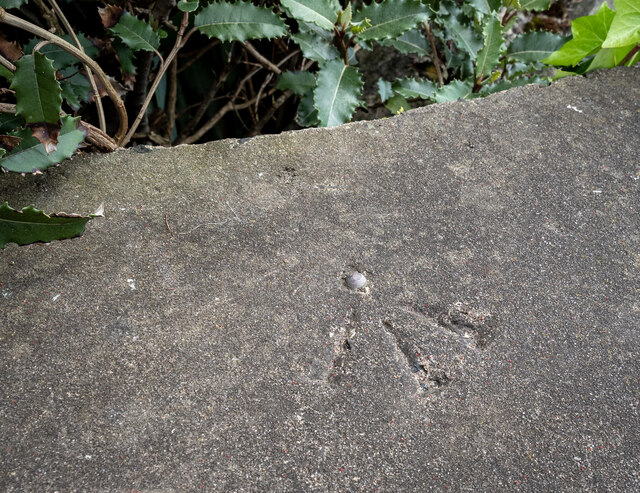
{"x": 495, "y": 346}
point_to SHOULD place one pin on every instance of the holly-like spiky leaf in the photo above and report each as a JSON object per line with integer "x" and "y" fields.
{"x": 136, "y": 33}
{"x": 384, "y": 89}
{"x": 239, "y": 21}
{"x": 300, "y": 82}
{"x": 505, "y": 84}
{"x": 535, "y": 4}
{"x": 30, "y": 155}
{"x": 323, "y": 13}
{"x": 61, "y": 58}
{"x": 389, "y": 18}
{"x": 588, "y": 35}
{"x": 534, "y": 46}
{"x": 307, "y": 115}
{"x": 464, "y": 36}
{"x": 490, "y": 52}
{"x": 31, "y": 225}
{"x": 38, "y": 93}
{"x": 337, "y": 94}
{"x": 410, "y": 42}
{"x": 625, "y": 28}
{"x": 412, "y": 88}
{"x": 75, "y": 87}
{"x": 453, "y": 91}
{"x": 397, "y": 104}
{"x": 188, "y": 5}
{"x": 486, "y": 6}
{"x": 315, "y": 47}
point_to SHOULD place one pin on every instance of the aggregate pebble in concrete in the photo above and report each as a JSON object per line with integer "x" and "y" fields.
{"x": 201, "y": 337}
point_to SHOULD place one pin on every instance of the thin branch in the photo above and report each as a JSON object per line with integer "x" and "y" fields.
{"x": 211, "y": 95}
{"x": 14, "y": 21}
{"x": 195, "y": 55}
{"x": 630, "y": 55}
{"x": 7, "y": 64}
{"x": 172, "y": 96}
{"x": 436, "y": 59}
{"x": 165, "y": 65}
{"x": 218, "y": 116}
{"x": 92, "y": 81}
{"x": 268, "y": 64}
{"x": 257, "y": 128}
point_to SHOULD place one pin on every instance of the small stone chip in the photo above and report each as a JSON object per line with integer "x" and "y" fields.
{"x": 356, "y": 281}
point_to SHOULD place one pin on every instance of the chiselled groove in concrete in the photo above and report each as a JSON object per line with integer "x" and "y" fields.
{"x": 428, "y": 373}
{"x": 476, "y": 326}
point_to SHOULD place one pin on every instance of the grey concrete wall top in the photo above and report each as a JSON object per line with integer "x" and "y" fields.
{"x": 201, "y": 336}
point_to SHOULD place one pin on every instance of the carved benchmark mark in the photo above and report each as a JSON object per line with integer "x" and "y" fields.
{"x": 428, "y": 372}
{"x": 341, "y": 353}
{"x": 435, "y": 351}
{"x": 467, "y": 322}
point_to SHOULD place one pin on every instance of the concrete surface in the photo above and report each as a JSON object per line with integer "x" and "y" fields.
{"x": 201, "y": 336}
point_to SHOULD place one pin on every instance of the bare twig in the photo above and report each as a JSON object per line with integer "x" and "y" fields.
{"x": 630, "y": 55}
{"x": 218, "y": 116}
{"x": 210, "y": 96}
{"x": 14, "y": 21}
{"x": 436, "y": 59}
{"x": 7, "y": 64}
{"x": 92, "y": 81}
{"x": 195, "y": 55}
{"x": 49, "y": 17}
{"x": 166, "y": 221}
{"x": 264, "y": 61}
{"x": 257, "y": 128}
{"x": 172, "y": 96}
{"x": 163, "y": 67}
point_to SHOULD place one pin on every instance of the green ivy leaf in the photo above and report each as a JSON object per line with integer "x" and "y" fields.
{"x": 61, "y": 58}
{"x": 410, "y": 42}
{"x": 454, "y": 90}
{"x": 188, "y": 5}
{"x": 315, "y": 48}
{"x": 30, "y": 156}
{"x": 588, "y": 35}
{"x": 136, "y": 33}
{"x": 534, "y": 46}
{"x": 323, "y": 13}
{"x": 384, "y": 89}
{"x": 31, "y": 225}
{"x": 609, "y": 57}
{"x": 239, "y": 21}
{"x": 337, "y": 94}
{"x": 412, "y": 88}
{"x": 493, "y": 42}
{"x": 300, "y": 82}
{"x": 397, "y": 104}
{"x": 38, "y": 93}
{"x": 390, "y": 18}
{"x": 625, "y": 28}
{"x": 535, "y": 4}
